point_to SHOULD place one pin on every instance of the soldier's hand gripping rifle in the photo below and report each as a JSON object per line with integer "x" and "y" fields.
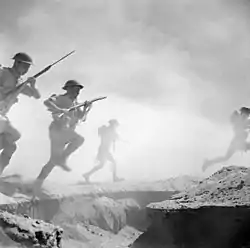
{"x": 87, "y": 107}
{"x": 11, "y": 98}
{"x": 85, "y": 104}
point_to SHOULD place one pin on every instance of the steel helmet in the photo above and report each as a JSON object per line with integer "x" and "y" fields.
{"x": 113, "y": 122}
{"x": 72, "y": 83}
{"x": 23, "y": 57}
{"x": 245, "y": 110}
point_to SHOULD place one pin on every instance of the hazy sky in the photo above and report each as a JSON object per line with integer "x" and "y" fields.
{"x": 173, "y": 71}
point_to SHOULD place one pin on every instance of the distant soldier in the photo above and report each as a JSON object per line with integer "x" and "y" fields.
{"x": 64, "y": 140}
{"x": 241, "y": 125}
{"x": 108, "y": 136}
{"x": 10, "y": 80}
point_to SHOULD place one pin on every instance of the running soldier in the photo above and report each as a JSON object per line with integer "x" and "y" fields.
{"x": 241, "y": 125}
{"x": 10, "y": 80}
{"x": 64, "y": 140}
{"x": 108, "y": 136}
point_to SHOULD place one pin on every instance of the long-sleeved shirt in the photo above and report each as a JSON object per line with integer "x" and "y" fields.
{"x": 9, "y": 81}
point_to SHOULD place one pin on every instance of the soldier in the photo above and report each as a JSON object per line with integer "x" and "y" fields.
{"x": 241, "y": 125}
{"x": 108, "y": 137}
{"x": 63, "y": 138}
{"x": 10, "y": 79}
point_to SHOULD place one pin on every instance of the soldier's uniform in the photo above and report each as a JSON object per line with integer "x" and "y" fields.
{"x": 9, "y": 81}
{"x": 108, "y": 137}
{"x": 241, "y": 125}
{"x": 64, "y": 140}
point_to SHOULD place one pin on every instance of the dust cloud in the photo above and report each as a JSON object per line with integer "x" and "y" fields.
{"x": 173, "y": 72}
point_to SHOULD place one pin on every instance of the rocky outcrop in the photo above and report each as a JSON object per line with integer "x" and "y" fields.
{"x": 213, "y": 214}
{"x": 26, "y": 232}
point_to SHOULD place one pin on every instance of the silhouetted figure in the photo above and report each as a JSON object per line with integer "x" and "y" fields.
{"x": 241, "y": 124}
{"x": 10, "y": 81}
{"x": 64, "y": 140}
{"x": 108, "y": 136}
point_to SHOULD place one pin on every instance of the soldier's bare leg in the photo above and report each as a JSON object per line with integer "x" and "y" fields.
{"x": 48, "y": 167}
{"x": 56, "y": 149}
{"x": 8, "y": 140}
{"x": 46, "y": 170}
{"x": 114, "y": 168}
{"x": 75, "y": 143}
{"x": 59, "y": 138}
{"x": 93, "y": 170}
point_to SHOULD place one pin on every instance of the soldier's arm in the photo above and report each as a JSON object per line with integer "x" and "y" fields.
{"x": 82, "y": 113}
{"x": 30, "y": 89}
{"x": 3, "y": 80}
{"x": 31, "y": 92}
{"x": 119, "y": 138}
{"x": 50, "y": 103}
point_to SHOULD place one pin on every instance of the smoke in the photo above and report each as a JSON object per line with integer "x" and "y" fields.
{"x": 173, "y": 70}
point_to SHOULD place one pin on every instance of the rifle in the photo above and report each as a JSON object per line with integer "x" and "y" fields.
{"x": 84, "y": 104}
{"x": 11, "y": 98}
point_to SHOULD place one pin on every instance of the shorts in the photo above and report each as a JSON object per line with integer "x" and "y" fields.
{"x": 59, "y": 138}
{"x": 104, "y": 155}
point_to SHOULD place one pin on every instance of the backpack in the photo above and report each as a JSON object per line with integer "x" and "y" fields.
{"x": 101, "y": 129}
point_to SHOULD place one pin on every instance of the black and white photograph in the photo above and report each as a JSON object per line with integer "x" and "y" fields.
{"x": 125, "y": 123}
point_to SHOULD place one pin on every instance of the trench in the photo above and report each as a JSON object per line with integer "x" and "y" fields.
{"x": 109, "y": 211}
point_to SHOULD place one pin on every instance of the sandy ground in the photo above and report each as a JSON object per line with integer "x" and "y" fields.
{"x": 79, "y": 234}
